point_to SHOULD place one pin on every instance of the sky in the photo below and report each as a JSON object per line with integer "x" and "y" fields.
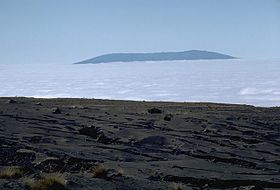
{"x": 67, "y": 31}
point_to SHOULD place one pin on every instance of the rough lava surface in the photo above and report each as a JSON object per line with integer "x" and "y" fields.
{"x": 142, "y": 145}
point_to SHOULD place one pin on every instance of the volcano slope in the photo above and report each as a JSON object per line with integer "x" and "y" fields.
{"x": 102, "y": 144}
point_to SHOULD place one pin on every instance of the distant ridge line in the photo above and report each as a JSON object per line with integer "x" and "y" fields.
{"x": 158, "y": 56}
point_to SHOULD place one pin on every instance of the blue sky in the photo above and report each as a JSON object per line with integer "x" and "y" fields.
{"x": 66, "y": 31}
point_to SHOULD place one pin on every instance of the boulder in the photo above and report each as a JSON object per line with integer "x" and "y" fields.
{"x": 11, "y": 101}
{"x": 168, "y": 117}
{"x": 154, "y": 110}
{"x": 56, "y": 111}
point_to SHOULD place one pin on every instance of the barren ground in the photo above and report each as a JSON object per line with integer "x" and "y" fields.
{"x": 201, "y": 145}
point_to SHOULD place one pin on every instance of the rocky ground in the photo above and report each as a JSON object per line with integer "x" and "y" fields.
{"x": 142, "y": 145}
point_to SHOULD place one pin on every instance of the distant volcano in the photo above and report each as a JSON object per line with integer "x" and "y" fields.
{"x": 161, "y": 56}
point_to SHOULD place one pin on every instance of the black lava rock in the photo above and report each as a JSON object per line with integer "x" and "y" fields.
{"x": 11, "y": 101}
{"x": 90, "y": 131}
{"x": 168, "y": 117}
{"x": 154, "y": 110}
{"x": 56, "y": 111}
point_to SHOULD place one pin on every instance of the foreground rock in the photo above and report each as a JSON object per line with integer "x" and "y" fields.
{"x": 191, "y": 146}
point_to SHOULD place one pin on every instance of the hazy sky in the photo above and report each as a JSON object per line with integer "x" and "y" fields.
{"x": 66, "y": 31}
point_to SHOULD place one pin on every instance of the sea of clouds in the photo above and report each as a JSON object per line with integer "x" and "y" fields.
{"x": 255, "y": 82}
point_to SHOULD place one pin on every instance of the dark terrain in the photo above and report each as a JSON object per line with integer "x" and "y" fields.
{"x": 201, "y": 145}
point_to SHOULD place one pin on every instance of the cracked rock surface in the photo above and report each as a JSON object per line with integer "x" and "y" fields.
{"x": 199, "y": 145}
